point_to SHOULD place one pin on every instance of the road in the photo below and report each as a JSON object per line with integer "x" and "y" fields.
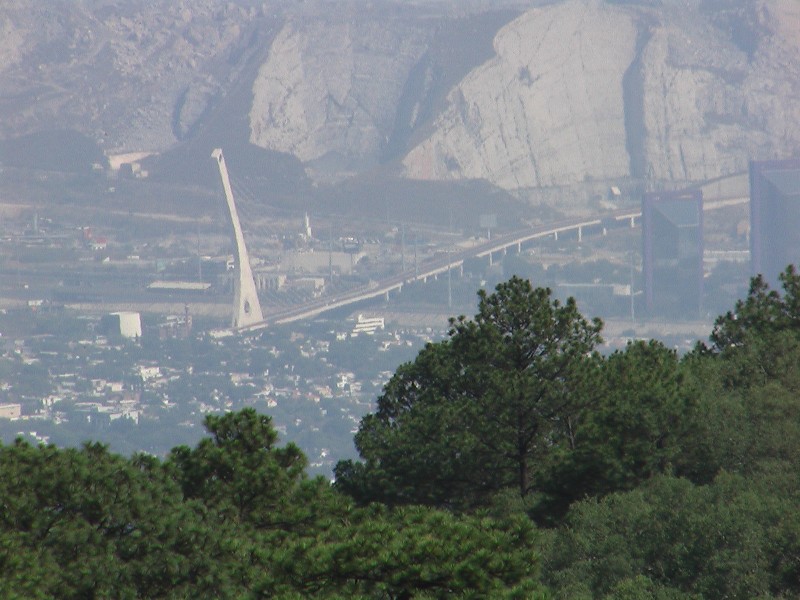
{"x": 452, "y": 260}
{"x": 597, "y": 224}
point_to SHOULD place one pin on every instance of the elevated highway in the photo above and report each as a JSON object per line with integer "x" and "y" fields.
{"x": 455, "y": 260}
{"x": 452, "y": 260}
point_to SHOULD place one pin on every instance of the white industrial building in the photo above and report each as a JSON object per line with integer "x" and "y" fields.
{"x": 126, "y": 324}
{"x": 10, "y": 411}
{"x": 367, "y": 325}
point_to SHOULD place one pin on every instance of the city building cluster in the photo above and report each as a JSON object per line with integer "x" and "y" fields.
{"x": 149, "y": 392}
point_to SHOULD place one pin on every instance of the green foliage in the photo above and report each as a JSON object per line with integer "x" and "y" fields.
{"x": 609, "y": 435}
{"x": 659, "y": 477}
{"x": 482, "y": 410}
{"x": 635, "y": 430}
{"x": 234, "y": 517}
{"x": 730, "y": 539}
{"x": 731, "y": 418}
{"x": 760, "y": 335}
{"x": 740, "y": 430}
{"x": 409, "y": 552}
{"x": 239, "y": 471}
{"x": 747, "y": 384}
{"x": 85, "y": 523}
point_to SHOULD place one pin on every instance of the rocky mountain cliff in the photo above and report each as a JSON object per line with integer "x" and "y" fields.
{"x": 134, "y": 76}
{"x": 521, "y": 94}
{"x": 548, "y": 109}
{"x": 589, "y": 90}
{"x": 329, "y": 89}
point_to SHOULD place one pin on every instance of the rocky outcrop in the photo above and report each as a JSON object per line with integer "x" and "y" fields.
{"x": 712, "y": 104}
{"x": 548, "y": 110}
{"x": 133, "y": 76}
{"x": 572, "y": 96}
{"x": 574, "y": 91}
{"x": 329, "y": 90}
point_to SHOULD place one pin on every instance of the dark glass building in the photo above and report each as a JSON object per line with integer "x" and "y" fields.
{"x": 672, "y": 233}
{"x": 774, "y": 217}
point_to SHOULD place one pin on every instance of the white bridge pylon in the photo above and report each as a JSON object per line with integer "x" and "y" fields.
{"x": 246, "y": 307}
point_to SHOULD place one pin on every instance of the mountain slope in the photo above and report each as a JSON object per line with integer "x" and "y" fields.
{"x": 585, "y": 90}
{"x": 537, "y": 95}
{"x": 547, "y": 110}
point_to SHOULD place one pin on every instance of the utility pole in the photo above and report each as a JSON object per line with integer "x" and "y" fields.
{"x": 330, "y": 253}
{"x": 449, "y": 288}
{"x": 199, "y": 258}
{"x": 403, "y": 246}
{"x": 416, "y": 271}
{"x": 633, "y": 314}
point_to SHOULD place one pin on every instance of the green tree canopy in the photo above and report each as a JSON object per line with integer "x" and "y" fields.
{"x": 482, "y": 410}
{"x": 235, "y": 517}
{"x": 637, "y": 428}
{"x": 760, "y": 337}
{"x": 747, "y": 384}
{"x": 405, "y": 553}
{"x": 84, "y": 523}
{"x": 733, "y": 538}
{"x": 241, "y": 472}
{"x": 657, "y": 477}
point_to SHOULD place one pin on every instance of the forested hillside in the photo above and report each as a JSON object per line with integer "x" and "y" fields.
{"x": 511, "y": 460}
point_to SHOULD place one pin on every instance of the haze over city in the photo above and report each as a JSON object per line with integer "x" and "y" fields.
{"x": 400, "y": 300}
{"x": 387, "y": 160}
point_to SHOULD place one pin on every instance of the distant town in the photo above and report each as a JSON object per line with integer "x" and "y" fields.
{"x": 146, "y": 388}
{"x": 124, "y": 334}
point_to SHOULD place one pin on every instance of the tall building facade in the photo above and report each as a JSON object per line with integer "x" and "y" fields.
{"x": 774, "y": 217}
{"x": 672, "y": 235}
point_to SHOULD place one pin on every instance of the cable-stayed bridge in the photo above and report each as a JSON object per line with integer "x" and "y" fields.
{"x": 246, "y": 311}
{"x": 453, "y": 260}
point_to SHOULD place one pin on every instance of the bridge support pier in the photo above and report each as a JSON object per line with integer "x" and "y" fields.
{"x": 580, "y": 234}
{"x": 555, "y": 235}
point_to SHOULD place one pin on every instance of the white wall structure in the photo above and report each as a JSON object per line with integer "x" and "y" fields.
{"x": 246, "y": 307}
{"x": 10, "y": 411}
{"x": 130, "y": 324}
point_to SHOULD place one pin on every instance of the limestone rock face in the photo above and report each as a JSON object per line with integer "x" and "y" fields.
{"x": 583, "y": 90}
{"x": 712, "y": 104}
{"x": 328, "y": 91}
{"x": 567, "y": 92}
{"x": 131, "y": 75}
{"x": 548, "y": 110}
